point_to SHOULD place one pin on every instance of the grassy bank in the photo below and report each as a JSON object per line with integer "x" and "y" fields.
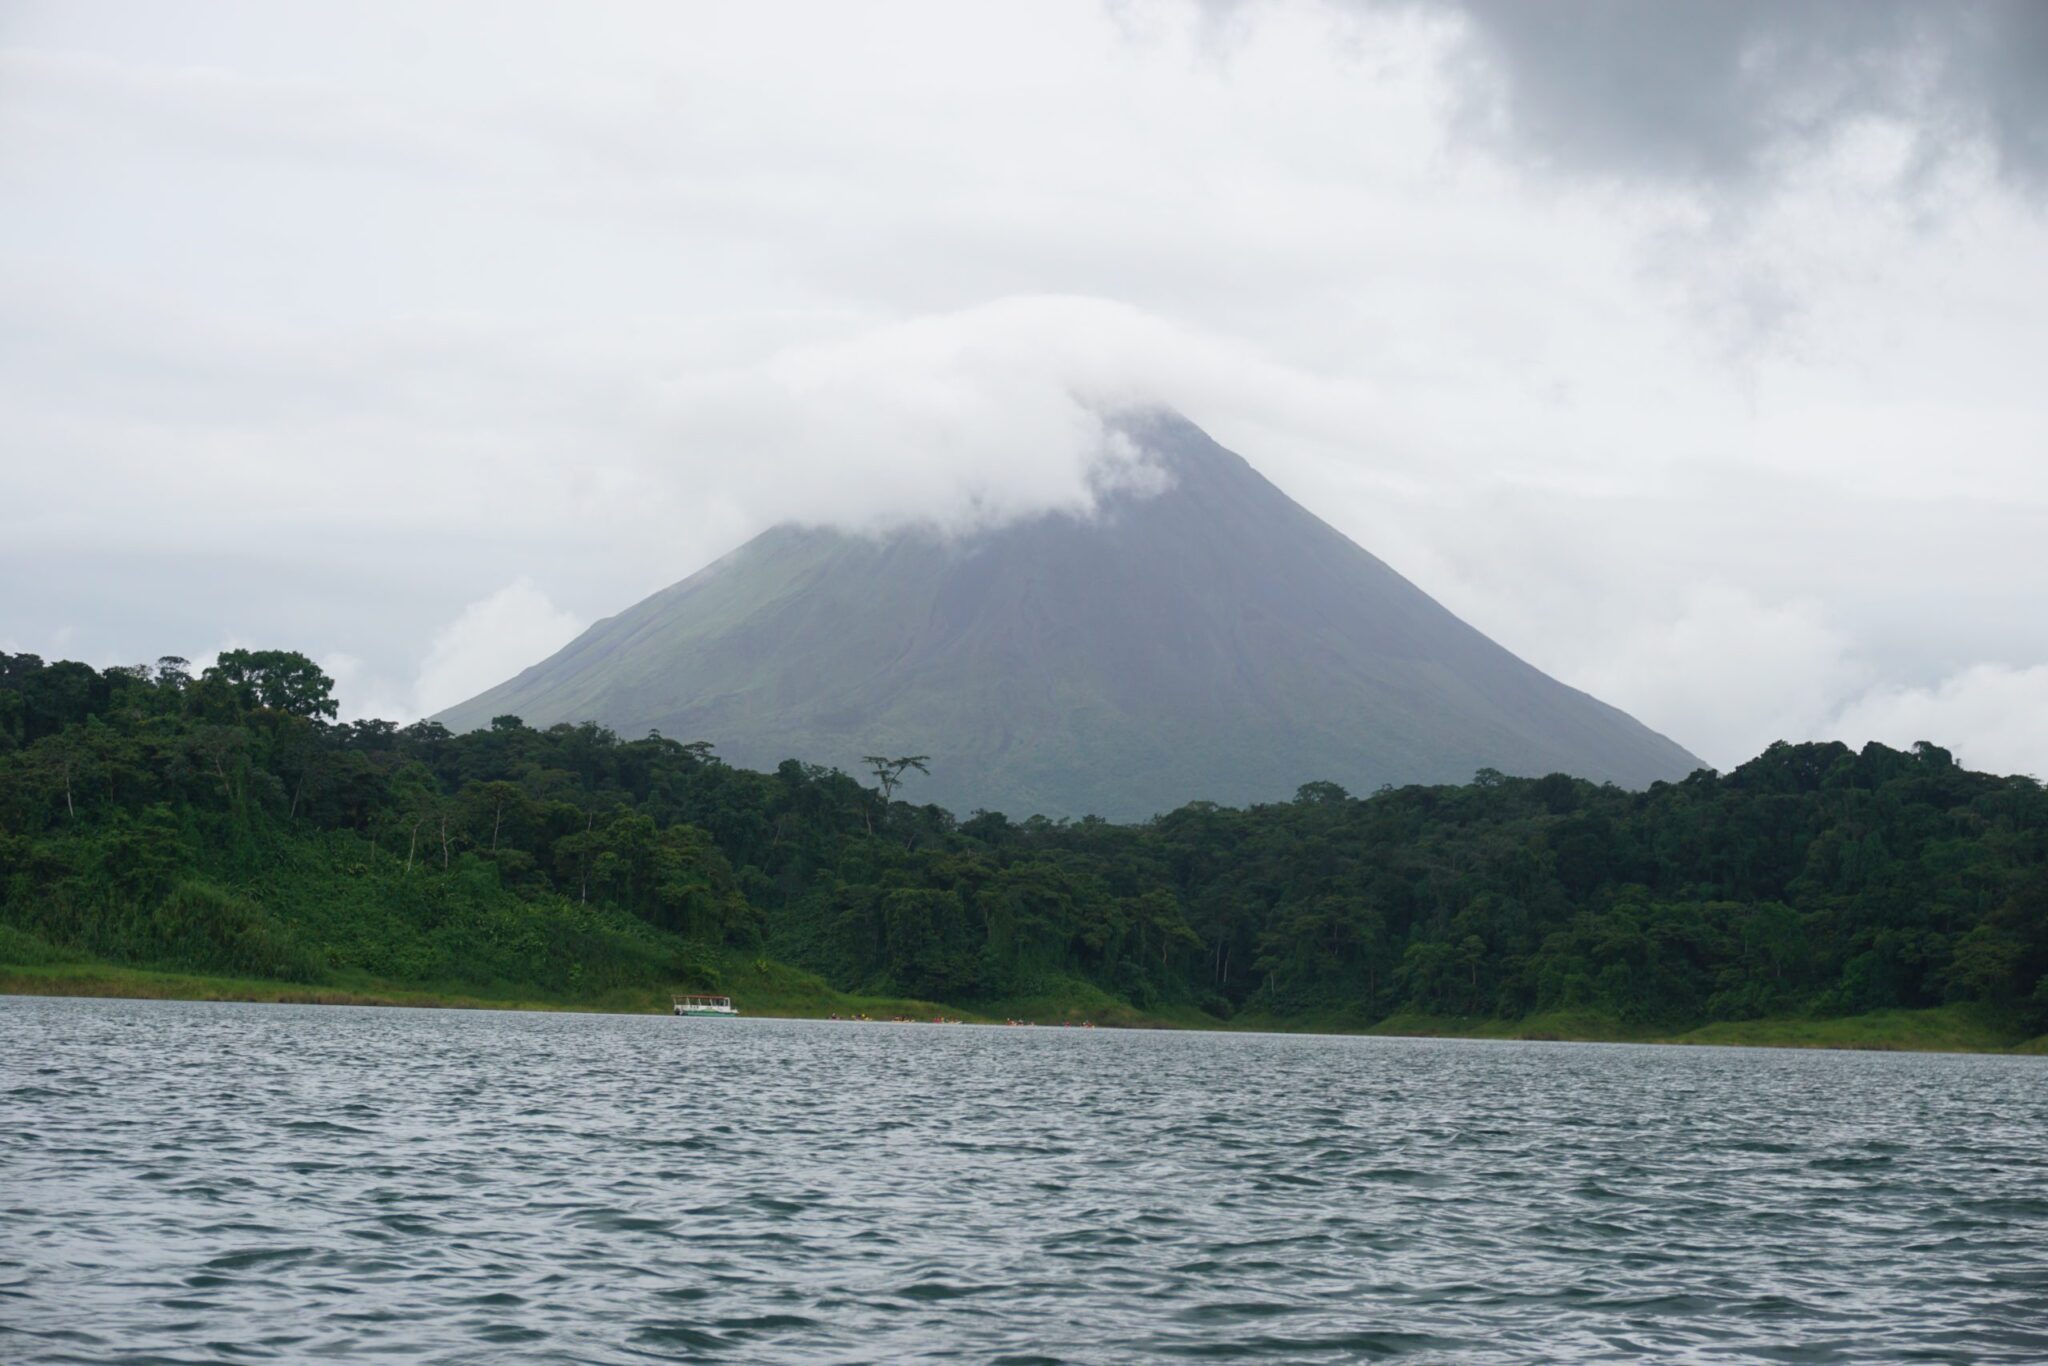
{"x": 1947, "y": 1029}
{"x": 105, "y": 979}
{"x": 1944, "y": 1029}
{"x": 764, "y": 988}
{"x": 770, "y": 989}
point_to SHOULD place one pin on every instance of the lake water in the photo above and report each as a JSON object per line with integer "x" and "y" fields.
{"x": 203, "y": 1182}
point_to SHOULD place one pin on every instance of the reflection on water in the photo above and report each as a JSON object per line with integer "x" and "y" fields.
{"x": 200, "y": 1181}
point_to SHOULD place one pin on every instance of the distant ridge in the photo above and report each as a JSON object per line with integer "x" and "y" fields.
{"x": 1212, "y": 641}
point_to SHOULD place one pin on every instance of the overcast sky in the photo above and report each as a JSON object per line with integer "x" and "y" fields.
{"x": 1697, "y": 353}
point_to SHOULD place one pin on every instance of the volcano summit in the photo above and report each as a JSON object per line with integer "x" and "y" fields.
{"x": 1214, "y": 640}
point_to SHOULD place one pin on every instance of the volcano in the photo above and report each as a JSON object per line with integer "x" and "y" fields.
{"x": 1210, "y": 639}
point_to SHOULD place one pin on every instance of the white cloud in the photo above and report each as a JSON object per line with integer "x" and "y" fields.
{"x": 1729, "y": 674}
{"x": 489, "y": 642}
{"x": 963, "y": 419}
{"x": 309, "y": 348}
{"x": 1733, "y": 674}
{"x": 1992, "y": 716}
{"x": 359, "y": 693}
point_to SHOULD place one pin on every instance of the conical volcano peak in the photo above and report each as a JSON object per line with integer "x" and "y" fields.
{"x": 1204, "y": 639}
{"x": 1163, "y": 458}
{"x": 1168, "y": 440}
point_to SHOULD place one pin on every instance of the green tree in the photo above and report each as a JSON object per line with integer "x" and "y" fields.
{"x": 280, "y": 680}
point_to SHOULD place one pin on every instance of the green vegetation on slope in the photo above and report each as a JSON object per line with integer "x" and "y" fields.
{"x": 224, "y": 828}
{"x": 1205, "y": 636}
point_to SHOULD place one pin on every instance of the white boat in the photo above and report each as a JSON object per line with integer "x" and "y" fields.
{"x": 704, "y": 1005}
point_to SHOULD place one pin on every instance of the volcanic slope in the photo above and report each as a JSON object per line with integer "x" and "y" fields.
{"x": 1214, "y": 641}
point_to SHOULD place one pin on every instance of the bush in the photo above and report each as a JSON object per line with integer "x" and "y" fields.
{"x": 19, "y": 948}
{"x": 200, "y": 927}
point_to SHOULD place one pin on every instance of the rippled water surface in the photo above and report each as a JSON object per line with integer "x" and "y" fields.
{"x": 200, "y": 1182}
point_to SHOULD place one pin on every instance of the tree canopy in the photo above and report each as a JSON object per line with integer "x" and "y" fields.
{"x": 227, "y": 822}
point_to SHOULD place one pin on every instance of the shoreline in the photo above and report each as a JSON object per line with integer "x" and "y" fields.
{"x": 1943, "y": 1029}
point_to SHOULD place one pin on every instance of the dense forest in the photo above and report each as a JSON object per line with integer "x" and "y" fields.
{"x": 223, "y": 821}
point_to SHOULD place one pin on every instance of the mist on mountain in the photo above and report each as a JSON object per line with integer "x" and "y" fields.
{"x": 1196, "y": 636}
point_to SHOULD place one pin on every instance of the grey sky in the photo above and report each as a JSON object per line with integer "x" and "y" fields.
{"x": 1692, "y": 351}
{"x": 1732, "y": 92}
